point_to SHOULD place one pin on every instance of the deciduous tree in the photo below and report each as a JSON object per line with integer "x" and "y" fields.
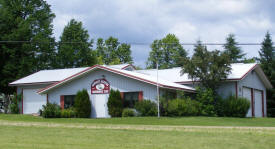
{"x": 111, "y": 51}
{"x": 168, "y": 52}
{"x": 208, "y": 67}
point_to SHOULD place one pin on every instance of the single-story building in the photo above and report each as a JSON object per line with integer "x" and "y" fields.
{"x": 61, "y": 85}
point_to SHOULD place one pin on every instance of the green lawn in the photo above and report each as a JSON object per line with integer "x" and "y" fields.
{"x": 14, "y": 134}
{"x": 76, "y": 138}
{"x": 194, "y": 121}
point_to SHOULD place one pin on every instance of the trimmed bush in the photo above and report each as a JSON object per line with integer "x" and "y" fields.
{"x": 127, "y": 112}
{"x": 207, "y": 99}
{"x": 183, "y": 107}
{"x": 82, "y": 104}
{"x": 236, "y": 107}
{"x": 51, "y": 110}
{"x": 115, "y": 105}
{"x": 68, "y": 113}
{"x": 146, "y": 108}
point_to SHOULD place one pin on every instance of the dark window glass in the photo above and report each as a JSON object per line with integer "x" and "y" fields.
{"x": 130, "y": 98}
{"x": 68, "y": 101}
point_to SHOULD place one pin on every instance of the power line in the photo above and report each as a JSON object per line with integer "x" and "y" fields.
{"x": 131, "y": 43}
{"x": 136, "y": 43}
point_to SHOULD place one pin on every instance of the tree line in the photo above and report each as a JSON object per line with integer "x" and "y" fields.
{"x": 211, "y": 67}
{"x": 32, "y": 20}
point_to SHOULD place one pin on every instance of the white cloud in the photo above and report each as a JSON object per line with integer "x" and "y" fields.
{"x": 184, "y": 31}
{"x": 253, "y": 23}
{"x": 62, "y": 21}
{"x": 146, "y": 20}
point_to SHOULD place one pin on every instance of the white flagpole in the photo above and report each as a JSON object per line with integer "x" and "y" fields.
{"x": 158, "y": 88}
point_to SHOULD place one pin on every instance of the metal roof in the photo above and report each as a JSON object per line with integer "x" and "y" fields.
{"x": 47, "y": 76}
{"x": 55, "y": 75}
{"x": 238, "y": 72}
{"x": 119, "y": 66}
{"x": 130, "y": 74}
{"x": 174, "y": 75}
{"x": 170, "y": 77}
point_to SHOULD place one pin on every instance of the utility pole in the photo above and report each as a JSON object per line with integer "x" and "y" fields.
{"x": 158, "y": 88}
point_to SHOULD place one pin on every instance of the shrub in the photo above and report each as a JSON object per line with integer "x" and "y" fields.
{"x": 51, "y": 110}
{"x": 207, "y": 99}
{"x": 183, "y": 107}
{"x": 68, "y": 113}
{"x": 219, "y": 106}
{"x": 114, "y": 104}
{"x": 146, "y": 108}
{"x": 163, "y": 105}
{"x": 127, "y": 112}
{"x": 40, "y": 112}
{"x": 82, "y": 104}
{"x": 13, "y": 106}
{"x": 236, "y": 107}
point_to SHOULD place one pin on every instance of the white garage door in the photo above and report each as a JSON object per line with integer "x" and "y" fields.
{"x": 258, "y": 103}
{"x": 247, "y": 94}
{"x": 32, "y": 101}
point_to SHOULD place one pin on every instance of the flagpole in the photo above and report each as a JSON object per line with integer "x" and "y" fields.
{"x": 158, "y": 88}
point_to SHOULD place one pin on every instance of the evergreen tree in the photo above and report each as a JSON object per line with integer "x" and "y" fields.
{"x": 24, "y": 20}
{"x": 208, "y": 67}
{"x": 115, "y": 105}
{"x": 267, "y": 60}
{"x": 111, "y": 51}
{"x": 74, "y": 47}
{"x": 231, "y": 48}
{"x": 267, "y": 55}
{"x": 82, "y": 104}
{"x": 168, "y": 52}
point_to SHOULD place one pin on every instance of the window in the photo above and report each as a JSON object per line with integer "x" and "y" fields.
{"x": 129, "y": 99}
{"x": 68, "y": 101}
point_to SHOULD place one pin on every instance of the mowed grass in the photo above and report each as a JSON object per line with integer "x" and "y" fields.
{"x": 186, "y": 121}
{"x": 25, "y": 137}
{"x": 28, "y": 132}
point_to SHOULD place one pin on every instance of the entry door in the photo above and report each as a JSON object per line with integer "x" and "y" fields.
{"x": 247, "y": 95}
{"x": 258, "y": 103}
{"x": 100, "y": 105}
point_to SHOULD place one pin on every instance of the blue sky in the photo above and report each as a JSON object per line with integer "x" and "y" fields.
{"x": 142, "y": 21}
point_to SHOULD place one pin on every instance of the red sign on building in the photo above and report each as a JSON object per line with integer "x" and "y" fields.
{"x": 100, "y": 86}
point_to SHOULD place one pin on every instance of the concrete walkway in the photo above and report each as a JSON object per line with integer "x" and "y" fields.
{"x": 136, "y": 127}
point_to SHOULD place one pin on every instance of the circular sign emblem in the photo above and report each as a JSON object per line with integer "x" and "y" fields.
{"x": 100, "y": 86}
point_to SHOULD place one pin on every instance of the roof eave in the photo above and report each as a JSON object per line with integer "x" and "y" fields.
{"x": 129, "y": 65}
{"x": 33, "y": 83}
{"x": 177, "y": 88}
{"x": 265, "y": 80}
{"x": 45, "y": 90}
